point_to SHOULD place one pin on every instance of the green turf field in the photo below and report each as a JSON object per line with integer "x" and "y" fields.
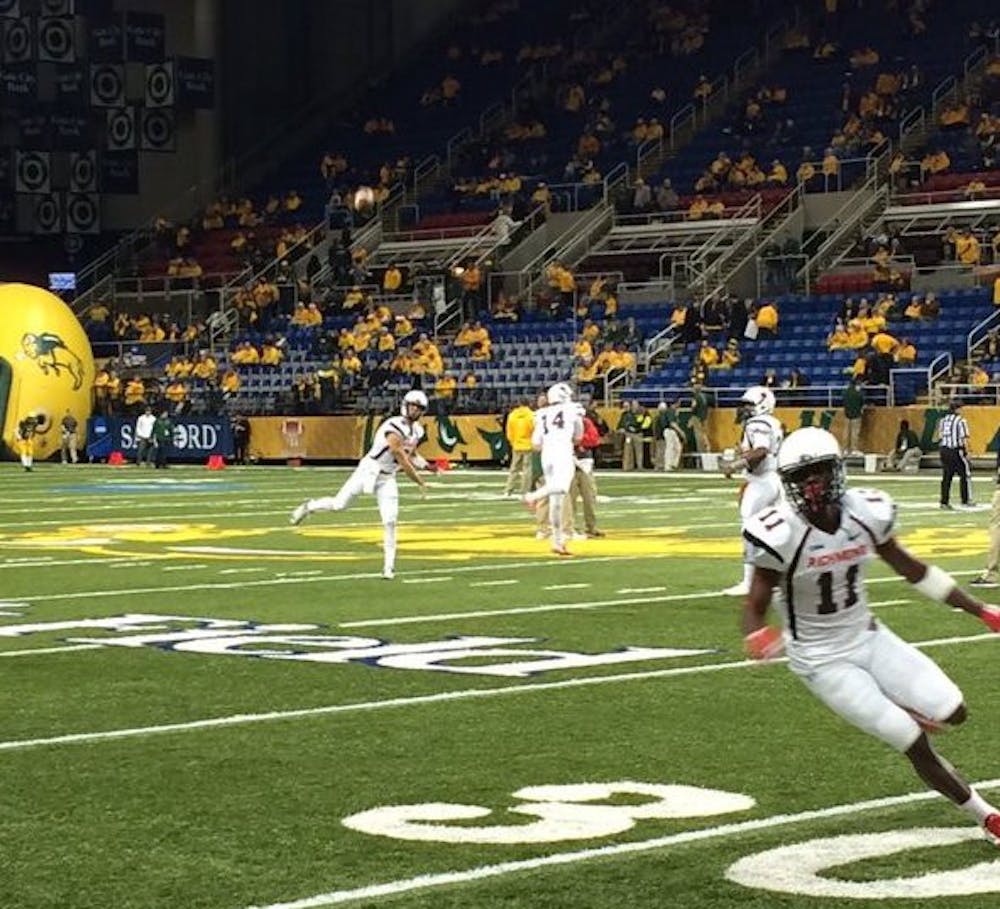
{"x": 224, "y": 739}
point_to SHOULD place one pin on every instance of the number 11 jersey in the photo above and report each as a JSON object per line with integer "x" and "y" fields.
{"x": 825, "y": 607}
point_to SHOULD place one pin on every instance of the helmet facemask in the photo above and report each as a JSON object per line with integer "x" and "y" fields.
{"x": 815, "y": 485}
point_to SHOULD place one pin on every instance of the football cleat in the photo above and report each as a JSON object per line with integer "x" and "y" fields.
{"x": 984, "y": 581}
{"x": 541, "y": 534}
{"x": 388, "y": 574}
{"x": 992, "y": 827}
{"x": 530, "y": 504}
{"x": 299, "y": 514}
{"x": 561, "y": 551}
{"x": 737, "y": 590}
{"x": 596, "y": 533}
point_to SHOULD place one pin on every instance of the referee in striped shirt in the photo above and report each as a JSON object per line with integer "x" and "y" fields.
{"x": 954, "y": 454}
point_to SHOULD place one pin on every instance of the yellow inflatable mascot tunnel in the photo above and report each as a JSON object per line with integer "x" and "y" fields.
{"x": 46, "y": 368}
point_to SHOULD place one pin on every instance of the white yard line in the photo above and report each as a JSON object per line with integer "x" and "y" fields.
{"x": 641, "y": 590}
{"x": 501, "y": 869}
{"x": 569, "y": 607}
{"x": 566, "y": 586}
{"x": 183, "y": 567}
{"x": 38, "y": 651}
{"x": 56, "y": 563}
{"x": 467, "y": 694}
{"x": 427, "y": 580}
{"x": 494, "y": 583}
{"x": 543, "y": 563}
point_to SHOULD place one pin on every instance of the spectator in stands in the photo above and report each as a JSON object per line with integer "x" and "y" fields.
{"x": 135, "y": 395}
{"x": 905, "y": 353}
{"x": 770, "y": 378}
{"x": 392, "y": 279}
{"x": 905, "y": 454}
{"x": 967, "y": 248}
{"x": 642, "y": 196}
{"x": 271, "y": 353}
{"x": 796, "y": 379}
{"x": 230, "y": 383}
{"x": 708, "y": 356}
{"x": 934, "y": 162}
{"x": 838, "y": 339}
{"x": 472, "y": 282}
{"x": 177, "y": 394}
{"x": 731, "y": 356}
{"x": 666, "y": 196}
{"x": 767, "y": 319}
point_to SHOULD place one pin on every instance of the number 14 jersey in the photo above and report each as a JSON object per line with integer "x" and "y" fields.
{"x": 825, "y": 608}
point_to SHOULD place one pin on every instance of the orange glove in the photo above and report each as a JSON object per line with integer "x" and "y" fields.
{"x": 991, "y": 616}
{"x": 764, "y": 644}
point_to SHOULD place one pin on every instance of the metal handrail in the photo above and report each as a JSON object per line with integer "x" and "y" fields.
{"x": 751, "y": 242}
{"x": 685, "y": 115}
{"x": 910, "y": 124}
{"x": 728, "y": 396}
{"x": 462, "y": 137}
{"x": 979, "y": 333}
{"x": 614, "y": 179}
{"x": 847, "y": 217}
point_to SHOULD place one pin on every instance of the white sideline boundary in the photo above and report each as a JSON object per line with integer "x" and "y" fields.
{"x": 467, "y": 694}
{"x": 484, "y": 872}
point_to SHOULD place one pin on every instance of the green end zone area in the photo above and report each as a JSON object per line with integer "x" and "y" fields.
{"x": 206, "y": 708}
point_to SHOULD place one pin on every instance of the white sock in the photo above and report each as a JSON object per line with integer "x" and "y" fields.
{"x": 555, "y": 518}
{"x": 326, "y": 503}
{"x": 26, "y": 460}
{"x": 747, "y": 574}
{"x": 389, "y": 546}
{"x": 978, "y": 807}
{"x": 537, "y": 495}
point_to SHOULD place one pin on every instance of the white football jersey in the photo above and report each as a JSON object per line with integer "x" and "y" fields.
{"x": 412, "y": 435}
{"x": 762, "y": 432}
{"x": 825, "y": 608}
{"x": 556, "y": 426}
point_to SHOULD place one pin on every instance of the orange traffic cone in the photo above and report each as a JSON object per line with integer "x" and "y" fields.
{"x": 116, "y": 459}
{"x": 215, "y": 462}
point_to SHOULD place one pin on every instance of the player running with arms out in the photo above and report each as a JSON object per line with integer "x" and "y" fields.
{"x": 558, "y": 428}
{"x": 814, "y": 547}
{"x": 393, "y": 449}
{"x": 762, "y": 435}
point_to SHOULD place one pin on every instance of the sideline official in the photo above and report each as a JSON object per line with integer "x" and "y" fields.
{"x": 954, "y": 454}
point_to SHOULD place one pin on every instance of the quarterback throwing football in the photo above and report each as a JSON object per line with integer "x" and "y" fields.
{"x": 394, "y": 448}
{"x": 814, "y": 547}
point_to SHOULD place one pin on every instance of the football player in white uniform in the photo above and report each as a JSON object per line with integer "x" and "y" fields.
{"x": 394, "y": 447}
{"x": 758, "y": 459}
{"x": 814, "y": 547}
{"x": 558, "y": 427}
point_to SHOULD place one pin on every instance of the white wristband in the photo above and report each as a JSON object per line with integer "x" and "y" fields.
{"x": 936, "y": 584}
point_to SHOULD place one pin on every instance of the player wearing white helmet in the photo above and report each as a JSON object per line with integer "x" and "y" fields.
{"x": 815, "y": 547}
{"x": 558, "y": 427}
{"x": 393, "y": 448}
{"x": 762, "y": 435}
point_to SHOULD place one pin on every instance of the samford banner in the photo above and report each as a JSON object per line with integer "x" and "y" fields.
{"x": 194, "y": 439}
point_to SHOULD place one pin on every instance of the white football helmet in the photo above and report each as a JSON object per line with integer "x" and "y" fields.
{"x": 757, "y": 401}
{"x": 416, "y": 397}
{"x": 560, "y": 393}
{"x": 811, "y": 468}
